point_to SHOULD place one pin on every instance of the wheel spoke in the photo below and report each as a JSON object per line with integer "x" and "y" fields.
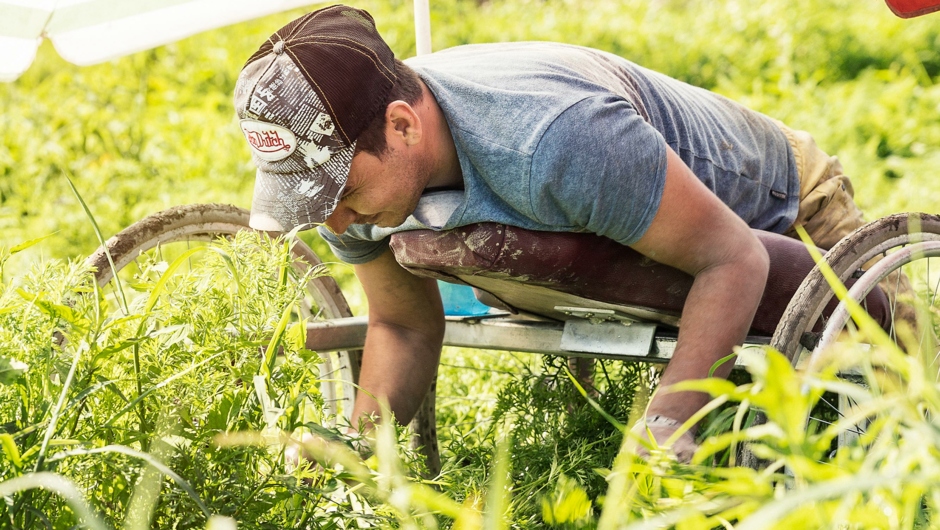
{"x": 881, "y": 241}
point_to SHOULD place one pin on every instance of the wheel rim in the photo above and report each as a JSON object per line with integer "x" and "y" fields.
{"x": 865, "y": 284}
{"x": 887, "y": 240}
{"x": 201, "y": 224}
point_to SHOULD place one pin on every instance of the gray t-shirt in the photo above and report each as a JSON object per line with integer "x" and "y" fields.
{"x": 561, "y": 138}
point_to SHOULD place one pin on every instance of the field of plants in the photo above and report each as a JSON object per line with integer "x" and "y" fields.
{"x": 155, "y": 409}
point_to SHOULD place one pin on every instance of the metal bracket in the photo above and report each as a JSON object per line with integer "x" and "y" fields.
{"x": 611, "y": 338}
{"x": 596, "y": 315}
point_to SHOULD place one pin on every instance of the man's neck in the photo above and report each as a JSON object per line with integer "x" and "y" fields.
{"x": 445, "y": 172}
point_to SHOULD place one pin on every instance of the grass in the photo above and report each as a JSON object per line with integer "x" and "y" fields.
{"x": 155, "y": 395}
{"x": 156, "y": 129}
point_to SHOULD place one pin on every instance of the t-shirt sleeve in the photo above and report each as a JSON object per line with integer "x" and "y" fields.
{"x": 351, "y": 249}
{"x": 601, "y": 168}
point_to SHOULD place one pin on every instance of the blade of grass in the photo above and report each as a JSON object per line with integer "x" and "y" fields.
{"x": 26, "y": 244}
{"x": 149, "y": 459}
{"x": 773, "y": 512}
{"x": 53, "y": 421}
{"x": 494, "y": 514}
{"x": 156, "y": 387}
{"x": 10, "y": 450}
{"x": 160, "y": 287}
{"x": 595, "y": 405}
{"x": 267, "y": 367}
{"x": 57, "y": 484}
{"x": 101, "y": 242}
{"x": 866, "y": 324}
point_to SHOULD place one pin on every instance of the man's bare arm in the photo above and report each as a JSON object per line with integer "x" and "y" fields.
{"x": 695, "y": 232}
{"x": 403, "y": 342}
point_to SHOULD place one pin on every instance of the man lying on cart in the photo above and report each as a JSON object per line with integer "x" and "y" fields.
{"x": 542, "y": 136}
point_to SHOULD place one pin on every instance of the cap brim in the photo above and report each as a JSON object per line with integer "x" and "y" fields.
{"x": 284, "y": 201}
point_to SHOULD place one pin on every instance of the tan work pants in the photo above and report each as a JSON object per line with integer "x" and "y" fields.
{"x": 828, "y": 211}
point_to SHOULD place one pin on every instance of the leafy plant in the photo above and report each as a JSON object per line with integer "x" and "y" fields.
{"x": 156, "y": 386}
{"x": 136, "y": 397}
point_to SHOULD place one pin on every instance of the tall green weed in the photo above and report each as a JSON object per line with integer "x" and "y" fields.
{"x": 156, "y": 129}
{"x": 118, "y": 402}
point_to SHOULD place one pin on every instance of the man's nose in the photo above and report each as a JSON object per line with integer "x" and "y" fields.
{"x": 340, "y": 219}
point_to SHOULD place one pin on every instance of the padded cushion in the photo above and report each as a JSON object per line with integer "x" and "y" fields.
{"x": 498, "y": 257}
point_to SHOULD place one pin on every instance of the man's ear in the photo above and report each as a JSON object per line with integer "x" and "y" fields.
{"x": 403, "y": 122}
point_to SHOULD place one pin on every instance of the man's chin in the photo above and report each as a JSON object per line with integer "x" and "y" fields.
{"x": 386, "y": 223}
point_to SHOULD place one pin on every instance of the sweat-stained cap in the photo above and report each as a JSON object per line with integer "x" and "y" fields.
{"x": 302, "y": 99}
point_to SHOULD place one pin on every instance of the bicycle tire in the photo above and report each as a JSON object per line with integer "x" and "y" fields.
{"x": 899, "y": 240}
{"x": 208, "y": 222}
{"x": 845, "y": 258}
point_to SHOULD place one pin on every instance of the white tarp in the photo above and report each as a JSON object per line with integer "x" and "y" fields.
{"x": 86, "y": 32}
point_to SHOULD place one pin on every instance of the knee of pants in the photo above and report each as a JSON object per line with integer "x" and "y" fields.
{"x": 829, "y": 212}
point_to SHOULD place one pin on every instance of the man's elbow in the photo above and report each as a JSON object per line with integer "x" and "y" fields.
{"x": 757, "y": 262}
{"x": 743, "y": 258}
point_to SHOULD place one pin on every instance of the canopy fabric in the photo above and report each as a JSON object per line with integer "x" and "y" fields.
{"x": 86, "y": 32}
{"x": 913, "y": 8}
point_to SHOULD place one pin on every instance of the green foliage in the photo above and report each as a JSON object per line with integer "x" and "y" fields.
{"x": 568, "y": 504}
{"x": 157, "y": 129}
{"x": 556, "y": 434}
{"x": 145, "y": 395}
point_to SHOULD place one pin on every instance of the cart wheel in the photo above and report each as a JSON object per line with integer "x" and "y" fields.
{"x": 186, "y": 226}
{"x": 877, "y": 239}
{"x": 908, "y": 242}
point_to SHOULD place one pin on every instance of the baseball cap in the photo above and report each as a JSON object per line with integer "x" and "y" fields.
{"x": 302, "y": 100}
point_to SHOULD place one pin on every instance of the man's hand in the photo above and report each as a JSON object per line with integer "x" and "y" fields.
{"x": 403, "y": 342}
{"x": 695, "y": 232}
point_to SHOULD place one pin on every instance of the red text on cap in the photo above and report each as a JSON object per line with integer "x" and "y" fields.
{"x": 268, "y": 141}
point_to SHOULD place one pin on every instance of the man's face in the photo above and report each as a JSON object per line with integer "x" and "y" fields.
{"x": 381, "y": 191}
